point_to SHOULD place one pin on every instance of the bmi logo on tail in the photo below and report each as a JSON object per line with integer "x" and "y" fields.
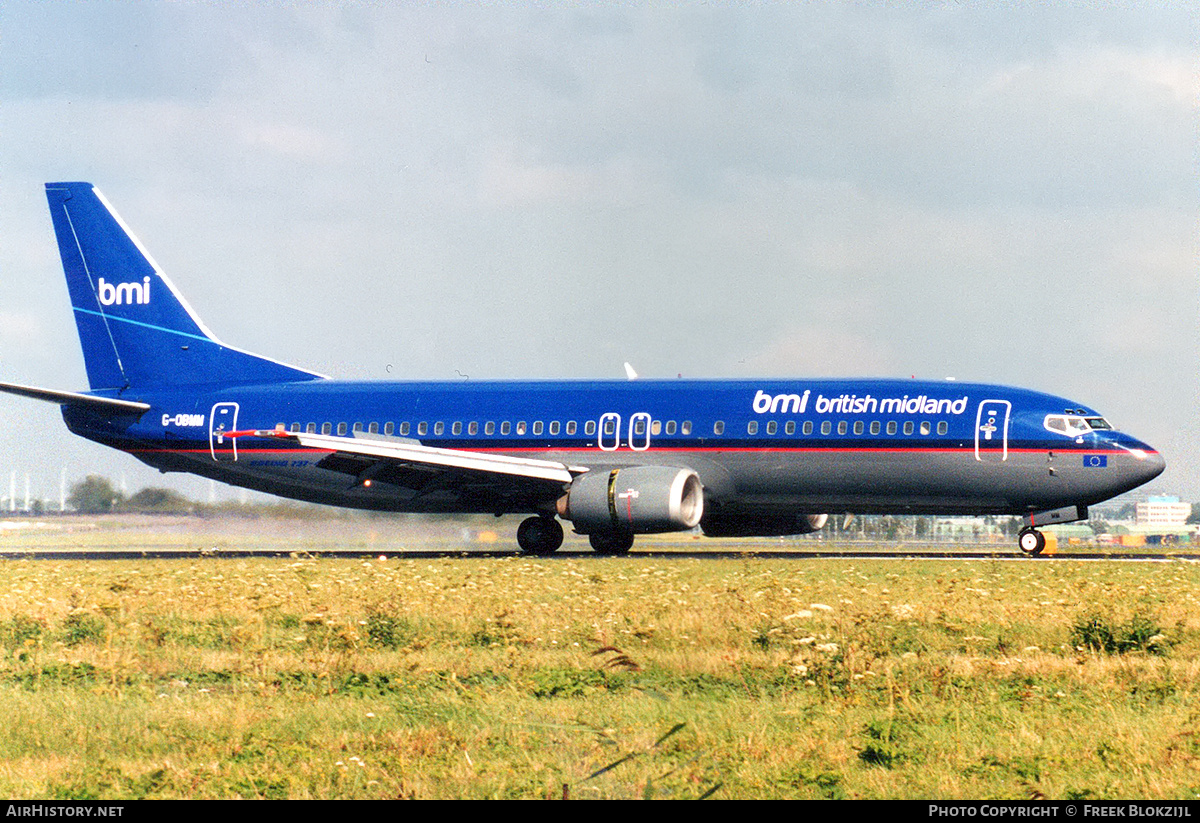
{"x": 124, "y": 293}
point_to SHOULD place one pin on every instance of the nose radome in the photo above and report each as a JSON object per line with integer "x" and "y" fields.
{"x": 1152, "y": 466}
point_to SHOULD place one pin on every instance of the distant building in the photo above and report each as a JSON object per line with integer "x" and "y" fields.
{"x": 1162, "y": 510}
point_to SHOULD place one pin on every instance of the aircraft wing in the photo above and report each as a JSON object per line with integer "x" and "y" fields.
{"x": 426, "y": 469}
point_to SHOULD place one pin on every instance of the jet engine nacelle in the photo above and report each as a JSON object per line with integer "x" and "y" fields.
{"x": 752, "y": 524}
{"x": 634, "y": 500}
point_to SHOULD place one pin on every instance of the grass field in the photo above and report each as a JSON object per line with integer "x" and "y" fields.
{"x": 595, "y": 677}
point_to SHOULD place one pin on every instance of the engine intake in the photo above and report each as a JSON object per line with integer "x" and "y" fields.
{"x": 634, "y": 500}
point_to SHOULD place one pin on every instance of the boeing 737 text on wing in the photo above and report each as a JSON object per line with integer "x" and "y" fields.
{"x": 613, "y": 458}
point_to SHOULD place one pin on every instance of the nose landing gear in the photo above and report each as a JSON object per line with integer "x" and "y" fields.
{"x": 1031, "y": 542}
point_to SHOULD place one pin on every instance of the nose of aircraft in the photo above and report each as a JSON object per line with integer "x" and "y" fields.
{"x": 1146, "y": 464}
{"x": 1150, "y": 466}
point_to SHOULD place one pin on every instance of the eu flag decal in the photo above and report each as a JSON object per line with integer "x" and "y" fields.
{"x": 1095, "y": 461}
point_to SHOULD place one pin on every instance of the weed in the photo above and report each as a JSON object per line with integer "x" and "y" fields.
{"x": 882, "y": 748}
{"x": 81, "y": 627}
{"x": 1100, "y": 633}
{"x": 21, "y": 631}
{"x": 387, "y": 632}
{"x": 566, "y": 682}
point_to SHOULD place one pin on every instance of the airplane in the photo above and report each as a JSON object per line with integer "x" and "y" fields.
{"x": 613, "y": 458}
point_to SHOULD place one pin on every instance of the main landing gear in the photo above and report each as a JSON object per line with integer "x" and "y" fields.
{"x": 611, "y": 543}
{"x": 542, "y": 535}
{"x": 1031, "y": 541}
{"x": 539, "y": 535}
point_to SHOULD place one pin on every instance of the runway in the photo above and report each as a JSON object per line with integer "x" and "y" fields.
{"x": 126, "y": 553}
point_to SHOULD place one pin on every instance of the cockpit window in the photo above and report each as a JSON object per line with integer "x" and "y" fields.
{"x": 1074, "y": 425}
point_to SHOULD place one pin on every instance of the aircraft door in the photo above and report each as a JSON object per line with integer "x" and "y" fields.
{"x": 991, "y": 431}
{"x": 610, "y": 431}
{"x": 639, "y": 432}
{"x": 223, "y": 419}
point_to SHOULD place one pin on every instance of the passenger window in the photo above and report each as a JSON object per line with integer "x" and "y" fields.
{"x": 790, "y": 428}
{"x": 554, "y": 427}
{"x": 826, "y": 427}
{"x": 670, "y": 427}
{"x": 439, "y": 427}
{"x": 570, "y": 427}
{"x": 875, "y": 427}
{"x": 473, "y": 428}
{"x": 752, "y": 427}
{"x": 808, "y": 427}
{"x": 656, "y": 428}
{"x": 639, "y": 426}
{"x": 685, "y": 427}
{"x": 358, "y": 427}
{"x": 295, "y": 427}
{"x": 312, "y": 428}
{"x": 858, "y": 427}
{"x": 489, "y": 427}
{"x": 389, "y": 428}
{"x": 456, "y": 428}
{"x": 891, "y": 427}
{"x": 341, "y": 428}
{"x": 537, "y": 427}
{"x": 422, "y": 429}
{"x": 719, "y": 427}
{"x": 772, "y": 427}
{"x": 520, "y": 427}
{"x": 505, "y": 427}
{"x": 589, "y": 428}
{"x": 404, "y": 429}
{"x": 610, "y": 426}
{"x": 373, "y": 428}
{"x": 841, "y": 427}
{"x": 908, "y": 427}
{"x": 943, "y": 427}
{"x": 926, "y": 428}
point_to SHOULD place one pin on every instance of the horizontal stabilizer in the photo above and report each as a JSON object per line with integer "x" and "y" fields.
{"x": 70, "y": 398}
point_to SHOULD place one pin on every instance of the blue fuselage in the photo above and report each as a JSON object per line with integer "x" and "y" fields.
{"x": 758, "y": 446}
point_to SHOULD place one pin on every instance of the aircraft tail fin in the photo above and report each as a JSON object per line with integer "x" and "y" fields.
{"x": 136, "y": 330}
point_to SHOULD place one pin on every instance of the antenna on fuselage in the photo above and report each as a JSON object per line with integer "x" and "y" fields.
{"x": 629, "y": 372}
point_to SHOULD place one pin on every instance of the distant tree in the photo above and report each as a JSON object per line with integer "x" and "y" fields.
{"x": 1194, "y": 517}
{"x": 153, "y": 500}
{"x": 94, "y": 495}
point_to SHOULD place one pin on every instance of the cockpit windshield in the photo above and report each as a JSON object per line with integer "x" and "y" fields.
{"x": 1072, "y": 425}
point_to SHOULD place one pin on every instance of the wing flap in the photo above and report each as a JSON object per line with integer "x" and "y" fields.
{"x": 417, "y": 455}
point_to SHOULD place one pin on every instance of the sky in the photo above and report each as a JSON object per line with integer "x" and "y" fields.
{"x": 994, "y": 192}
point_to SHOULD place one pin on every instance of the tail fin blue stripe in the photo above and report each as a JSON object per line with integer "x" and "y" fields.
{"x": 136, "y": 330}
